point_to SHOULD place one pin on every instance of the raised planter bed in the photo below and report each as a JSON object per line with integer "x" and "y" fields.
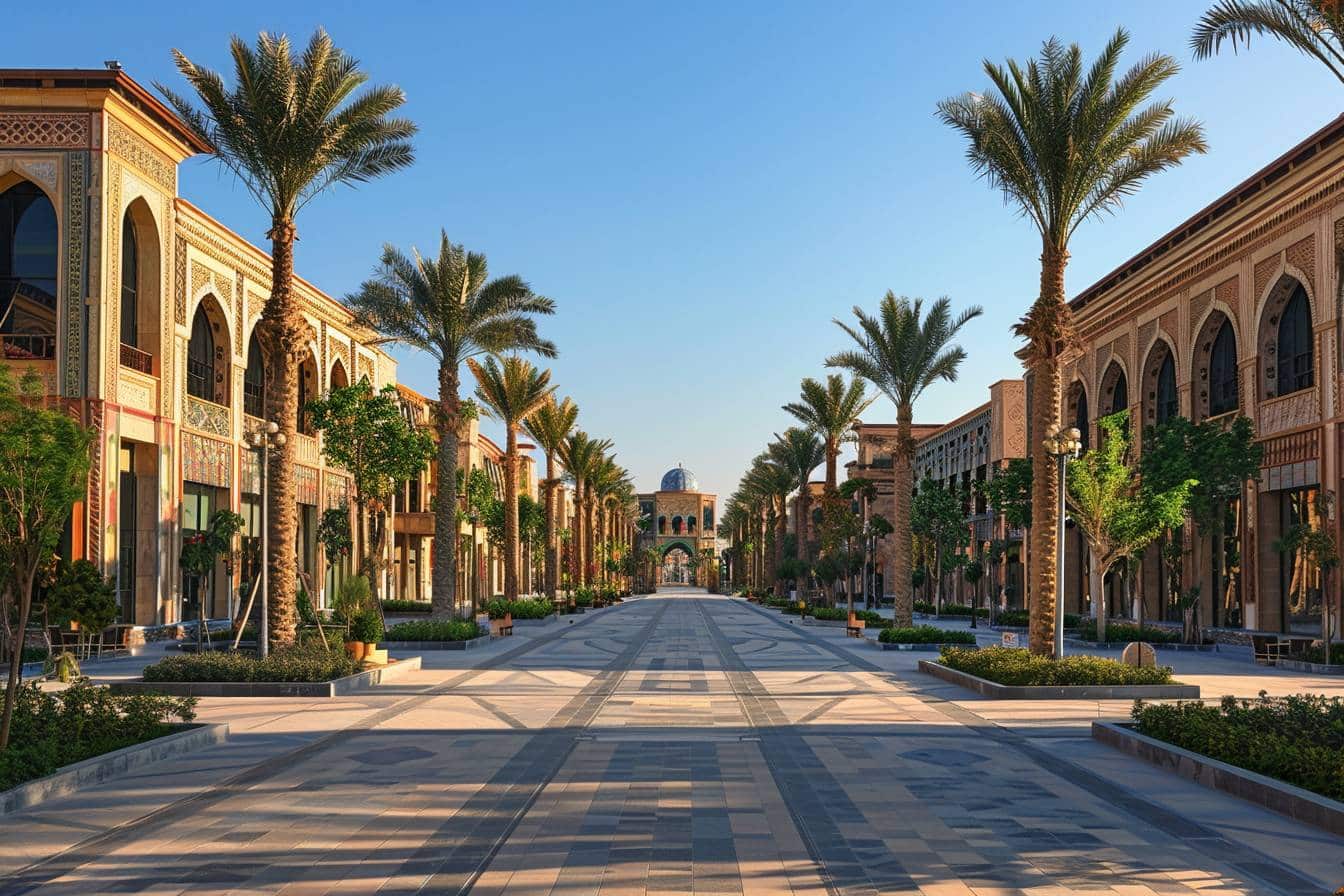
{"x": 995, "y": 691}
{"x": 338, "y": 687}
{"x": 98, "y": 769}
{"x": 923, "y": 648}
{"x": 1312, "y": 668}
{"x": 828, "y": 623}
{"x": 469, "y": 644}
{"x": 1277, "y": 796}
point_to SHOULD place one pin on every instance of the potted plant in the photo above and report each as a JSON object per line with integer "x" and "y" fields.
{"x": 367, "y": 630}
{"x": 352, "y": 600}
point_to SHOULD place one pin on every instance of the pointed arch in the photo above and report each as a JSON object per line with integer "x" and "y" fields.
{"x": 1076, "y": 411}
{"x": 29, "y": 269}
{"x": 208, "y": 352}
{"x": 1285, "y": 338}
{"x": 309, "y": 388}
{"x": 1159, "y": 394}
{"x": 139, "y": 321}
{"x": 1113, "y": 393}
{"x": 1215, "y": 375}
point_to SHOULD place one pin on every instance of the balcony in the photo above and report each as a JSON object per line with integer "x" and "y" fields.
{"x": 135, "y": 359}
{"x": 28, "y": 347}
{"x": 208, "y": 417}
{"x": 305, "y": 449}
{"x": 1296, "y": 409}
{"x": 413, "y": 523}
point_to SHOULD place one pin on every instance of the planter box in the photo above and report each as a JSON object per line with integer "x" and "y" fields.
{"x": 310, "y": 689}
{"x": 98, "y": 769}
{"x": 829, "y": 623}
{"x": 924, "y": 648}
{"x": 995, "y": 691}
{"x": 479, "y": 641}
{"x": 1313, "y": 668}
{"x": 1277, "y": 796}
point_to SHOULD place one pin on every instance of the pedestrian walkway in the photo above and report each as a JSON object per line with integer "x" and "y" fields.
{"x": 678, "y": 744}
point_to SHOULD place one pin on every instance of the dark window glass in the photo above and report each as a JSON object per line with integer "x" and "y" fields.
{"x": 1295, "y": 349}
{"x": 254, "y": 380}
{"x": 28, "y": 261}
{"x": 1080, "y": 418}
{"x": 1167, "y": 404}
{"x": 130, "y": 281}
{"x": 201, "y": 358}
{"x": 1119, "y": 395}
{"x": 1223, "y": 372}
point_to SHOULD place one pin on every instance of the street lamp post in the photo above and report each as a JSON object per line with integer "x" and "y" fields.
{"x": 1062, "y": 445}
{"x": 267, "y": 436}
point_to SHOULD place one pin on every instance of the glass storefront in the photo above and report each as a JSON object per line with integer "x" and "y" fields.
{"x": 1299, "y": 581}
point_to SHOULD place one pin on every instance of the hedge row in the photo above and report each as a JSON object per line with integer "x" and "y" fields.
{"x": 1020, "y": 618}
{"x": 434, "y": 630}
{"x": 524, "y": 608}
{"x": 308, "y": 662}
{"x": 1014, "y": 666}
{"x": 1123, "y": 633}
{"x": 924, "y": 634}
{"x": 406, "y": 606}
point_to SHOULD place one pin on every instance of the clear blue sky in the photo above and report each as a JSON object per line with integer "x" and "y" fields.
{"x": 702, "y": 187}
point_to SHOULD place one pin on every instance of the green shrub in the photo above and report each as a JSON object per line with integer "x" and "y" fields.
{"x": 353, "y": 596}
{"x": 33, "y": 655}
{"x": 1021, "y": 619}
{"x": 309, "y": 662}
{"x": 924, "y": 634}
{"x": 406, "y": 606}
{"x": 434, "y": 630}
{"x": 795, "y": 608}
{"x": 1297, "y": 739}
{"x": 583, "y": 598}
{"x": 923, "y": 606}
{"x": 963, "y": 610}
{"x": 828, "y": 613}
{"x": 873, "y": 619}
{"x": 1123, "y": 633}
{"x": 304, "y": 604}
{"x": 52, "y": 729}
{"x": 1014, "y": 666}
{"x": 524, "y": 608}
{"x": 1316, "y": 654}
{"x": 83, "y": 594}
{"x": 367, "y": 627}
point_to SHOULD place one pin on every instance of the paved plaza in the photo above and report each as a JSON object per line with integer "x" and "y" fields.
{"x": 676, "y": 744}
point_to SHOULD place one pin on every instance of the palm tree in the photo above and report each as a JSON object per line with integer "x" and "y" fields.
{"x": 449, "y": 308}
{"x": 902, "y": 352}
{"x": 769, "y": 482}
{"x": 1065, "y": 144}
{"x": 799, "y": 451}
{"x": 582, "y": 456}
{"x": 511, "y": 391}
{"x": 830, "y": 410}
{"x": 1314, "y": 27}
{"x": 289, "y": 130}
{"x": 550, "y": 425}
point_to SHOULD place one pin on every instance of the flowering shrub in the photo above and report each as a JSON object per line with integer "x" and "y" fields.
{"x": 1015, "y": 666}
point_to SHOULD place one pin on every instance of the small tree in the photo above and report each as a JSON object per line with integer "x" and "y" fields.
{"x": 937, "y": 515}
{"x": 82, "y": 594}
{"x": 201, "y": 551}
{"x": 1008, "y": 493}
{"x": 44, "y": 468}
{"x": 1314, "y": 544}
{"x": 367, "y": 434}
{"x": 1117, "y": 512}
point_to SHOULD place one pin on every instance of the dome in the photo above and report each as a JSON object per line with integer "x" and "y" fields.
{"x": 679, "y": 479}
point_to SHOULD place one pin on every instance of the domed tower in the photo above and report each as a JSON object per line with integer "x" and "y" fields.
{"x": 680, "y": 527}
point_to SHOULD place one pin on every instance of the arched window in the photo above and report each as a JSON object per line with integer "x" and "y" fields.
{"x": 1119, "y": 394}
{"x": 28, "y": 263}
{"x": 1223, "y": 372}
{"x": 201, "y": 357}
{"x": 1167, "y": 403}
{"x": 662, "y": 525}
{"x": 1080, "y": 418}
{"x": 690, "y": 523}
{"x": 307, "y": 392}
{"x": 709, "y": 519}
{"x": 1296, "y": 367}
{"x": 676, "y": 525}
{"x": 130, "y": 281}
{"x": 254, "y": 380}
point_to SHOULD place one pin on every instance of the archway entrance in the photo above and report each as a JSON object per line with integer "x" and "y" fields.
{"x": 676, "y": 568}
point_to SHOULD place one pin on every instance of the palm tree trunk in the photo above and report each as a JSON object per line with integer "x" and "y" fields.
{"x": 576, "y": 558}
{"x": 284, "y": 318}
{"x": 1047, "y": 323}
{"x": 781, "y": 530}
{"x": 443, "y": 593}
{"x": 552, "y": 542}
{"x": 511, "y": 515}
{"x": 899, "y": 546}
{"x": 832, "y": 456}
{"x": 804, "y": 500}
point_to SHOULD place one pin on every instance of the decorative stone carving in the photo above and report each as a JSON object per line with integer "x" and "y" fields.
{"x": 44, "y": 171}
{"x": 207, "y": 416}
{"x": 1263, "y": 271}
{"x": 124, "y": 142}
{"x": 1289, "y": 412}
{"x": 179, "y": 279}
{"x": 1302, "y": 255}
{"x": 67, "y": 130}
{"x": 75, "y": 198}
{"x": 206, "y": 461}
{"x": 239, "y": 317}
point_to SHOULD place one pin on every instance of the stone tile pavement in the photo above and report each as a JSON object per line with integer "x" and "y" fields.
{"x": 678, "y": 744}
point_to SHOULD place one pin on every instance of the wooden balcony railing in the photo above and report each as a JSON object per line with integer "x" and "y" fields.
{"x": 135, "y": 359}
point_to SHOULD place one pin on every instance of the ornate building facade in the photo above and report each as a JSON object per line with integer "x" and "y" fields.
{"x": 681, "y": 527}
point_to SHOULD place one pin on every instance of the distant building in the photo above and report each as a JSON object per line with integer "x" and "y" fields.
{"x": 681, "y": 525}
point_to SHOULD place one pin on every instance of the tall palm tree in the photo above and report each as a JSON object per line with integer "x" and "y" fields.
{"x": 1065, "y": 143}
{"x": 799, "y": 451}
{"x": 831, "y": 409}
{"x": 902, "y": 351}
{"x": 448, "y": 307}
{"x": 511, "y": 390}
{"x": 769, "y": 482}
{"x": 550, "y": 425}
{"x": 289, "y": 130}
{"x": 583, "y": 457}
{"x": 1314, "y": 27}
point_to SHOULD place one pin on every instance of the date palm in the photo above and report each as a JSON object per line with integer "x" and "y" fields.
{"x": 1065, "y": 143}
{"x": 799, "y": 451}
{"x": 830, "y": 409}
{"x": 447, "y": 306}
{"x": 1313, "y": 27}
{"x": 550, "y": 425}
{"x": 902, "y": 351}
{"x": 290, "y": 129}
{"x": 583, "y": 456}
{"x": 769, "y": 483}
{"x": 511, "y": 390}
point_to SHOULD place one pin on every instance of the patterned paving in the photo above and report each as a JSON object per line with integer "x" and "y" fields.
{"x": 670, "y": 745}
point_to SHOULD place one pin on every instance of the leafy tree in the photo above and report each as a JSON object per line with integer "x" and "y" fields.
{"x": 902, "y": 352}
{"x": 511, "y": 390}
{"x": 1312, "y": 542}
{"x": 550, "y": 425}
{"x": 830, "y": 410}
{"x": 937, "y": 514}
{"x": 333, "y": 533}
{"x": 289, "y": 130}
{"x": 202, "y": 551}
{"x": 1064, "y": 143}
{"x": 448, "y": 307}
{"x": 1313, "y": 27}
{"x": 1008, "y": 492}
{"x": 82, "y": 594}
{"x": 1118, "y": 512}
{"x": 366, "y": 434}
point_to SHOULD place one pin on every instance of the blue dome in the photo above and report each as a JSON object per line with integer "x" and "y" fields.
{"x": 679, "y": 480}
